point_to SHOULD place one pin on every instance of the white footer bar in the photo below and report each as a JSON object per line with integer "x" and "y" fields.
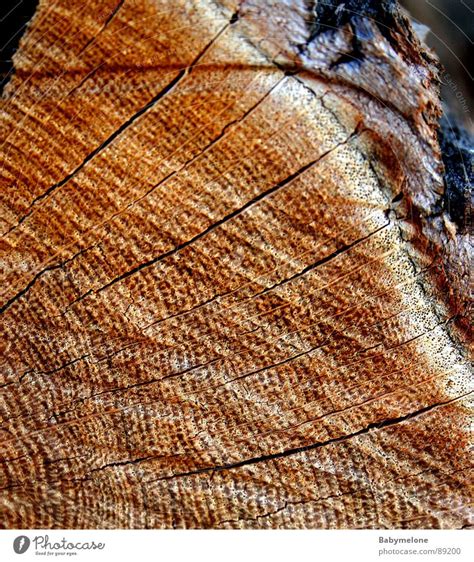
{"x": 235, "y": 546}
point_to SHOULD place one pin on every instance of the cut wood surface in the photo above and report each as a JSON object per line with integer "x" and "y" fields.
{"x": 233, "y": 295}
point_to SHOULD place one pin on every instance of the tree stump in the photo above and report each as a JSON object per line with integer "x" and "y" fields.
{"x": 234, "y": 292}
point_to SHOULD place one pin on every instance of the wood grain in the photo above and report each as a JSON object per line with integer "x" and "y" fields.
{"x": 232, "y": 297}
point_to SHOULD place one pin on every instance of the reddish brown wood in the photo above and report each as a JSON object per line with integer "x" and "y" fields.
{"x": 232, "y": 297}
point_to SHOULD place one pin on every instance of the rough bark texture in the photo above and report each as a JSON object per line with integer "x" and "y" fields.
{"x": 234, "y": 294}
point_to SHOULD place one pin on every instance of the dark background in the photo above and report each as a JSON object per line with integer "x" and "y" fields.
{"x": 14, "y": 15}
{"x": 452, "y": 33}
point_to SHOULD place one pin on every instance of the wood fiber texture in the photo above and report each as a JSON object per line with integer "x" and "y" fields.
{"x": 231, "y": 294}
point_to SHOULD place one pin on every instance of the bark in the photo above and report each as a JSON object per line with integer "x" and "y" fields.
{"x": 234, "y": 281}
